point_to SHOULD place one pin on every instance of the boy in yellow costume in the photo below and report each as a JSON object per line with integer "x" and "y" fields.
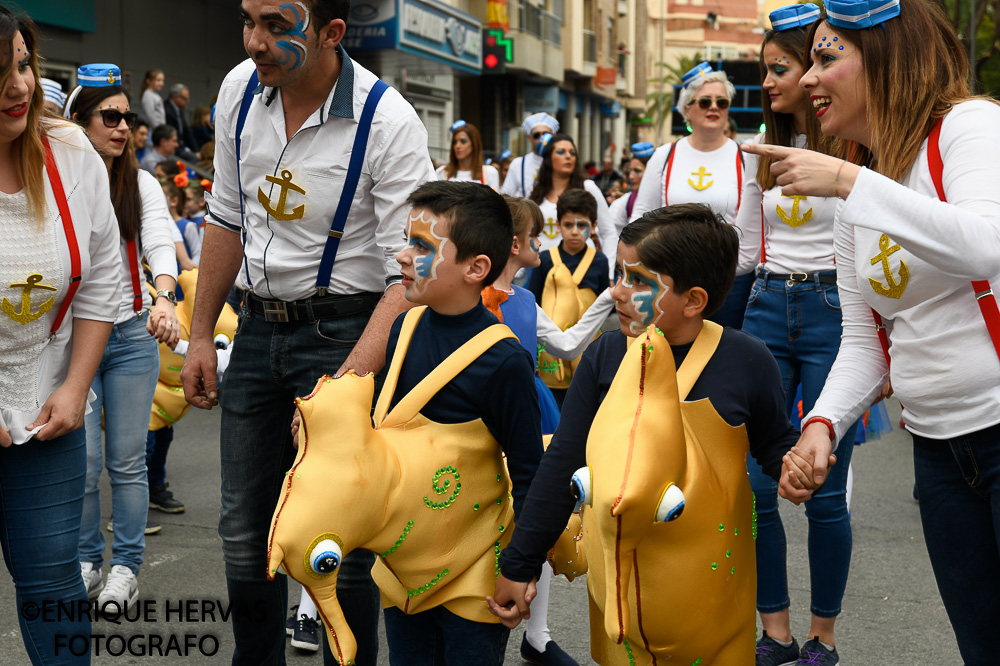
{"x": 426, "y": 489}
{"x": 569, "y": 279}
{"x": 662, "y": 413}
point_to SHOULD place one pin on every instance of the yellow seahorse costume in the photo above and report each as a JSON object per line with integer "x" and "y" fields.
{"x": 564, "y": 301}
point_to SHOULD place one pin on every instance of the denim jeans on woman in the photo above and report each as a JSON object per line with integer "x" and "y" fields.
{"x": 41, "y": 500}
{"x": 801, "y": 324}
{"x": 272, "y": 364}
{"x": 124, "y": 384}
{"x": 958, "y": 481}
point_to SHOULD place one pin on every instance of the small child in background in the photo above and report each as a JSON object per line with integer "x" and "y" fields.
{"x": 574, "y": 268}
{"x": 194, "y": 207}
{"x": 177, "y": 203}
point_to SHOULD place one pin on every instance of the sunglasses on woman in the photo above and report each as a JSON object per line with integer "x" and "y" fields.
{"x": 112, "y": 117}
{"x": 705, "y": 103}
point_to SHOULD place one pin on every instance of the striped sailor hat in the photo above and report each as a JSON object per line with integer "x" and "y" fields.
{"x": 859, "y": 14}
{"x": 504, "y": 155}
{"x": 794, "y": 16}
{"x": 696, "y": 72}
{"x": 53, "y": 92}
{"x": 99, "y": 75}
{"x": 534, "y": 120}
{"x": 643, "y": 149}
{"x": 457, "y": 125}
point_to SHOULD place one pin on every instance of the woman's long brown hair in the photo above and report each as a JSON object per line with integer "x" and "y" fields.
{"x": 544, "y": 181}
{"x": 477, "y": 153}
{"x": 123, "y": 172}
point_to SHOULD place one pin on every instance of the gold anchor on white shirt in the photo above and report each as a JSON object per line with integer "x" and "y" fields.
{"x": 701, "y": 173}
{"x": 278, "y": 212}
{"x": 794, "y": 220}
{"x": 25, "y": 315}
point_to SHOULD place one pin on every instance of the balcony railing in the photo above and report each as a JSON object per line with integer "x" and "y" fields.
{"x": 553, "y": 29}
{"x": 531, "y": 20}
{"x": 589, "y": 46}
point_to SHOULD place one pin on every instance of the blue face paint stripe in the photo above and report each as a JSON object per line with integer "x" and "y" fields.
{"x": 289, "y": 50}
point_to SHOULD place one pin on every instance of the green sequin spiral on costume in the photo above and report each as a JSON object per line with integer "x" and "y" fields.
{"x": 443, "y": 488}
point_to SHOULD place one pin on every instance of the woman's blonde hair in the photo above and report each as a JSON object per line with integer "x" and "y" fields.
{"x": 27, "y": 151}
{"x": 915, "y": 71}
{"x": 688, "y": 93}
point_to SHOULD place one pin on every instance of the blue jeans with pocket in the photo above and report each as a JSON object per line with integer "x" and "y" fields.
{"x": 124, "y": 384}
{"x": 438, "y": 637}
{"x": 800, "y": 322}
{"x": 271, "y": 365}
{"x": 41, "y": 500}
{"x": 958, "y": 481}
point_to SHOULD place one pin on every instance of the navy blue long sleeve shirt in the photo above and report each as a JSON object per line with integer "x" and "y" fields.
{"x": 596, "y": 276}
{"x": 498, "y": 387}
{"x": 741, "y": 379}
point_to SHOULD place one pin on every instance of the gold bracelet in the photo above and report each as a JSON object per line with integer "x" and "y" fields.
{"x": 836, "y": 181}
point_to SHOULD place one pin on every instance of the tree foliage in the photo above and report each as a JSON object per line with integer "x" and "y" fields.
{"x": 660, "y": 99}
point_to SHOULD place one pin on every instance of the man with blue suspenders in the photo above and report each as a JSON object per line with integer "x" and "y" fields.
{"x": 314, "y": 160}
{"x": 523, "y": 171}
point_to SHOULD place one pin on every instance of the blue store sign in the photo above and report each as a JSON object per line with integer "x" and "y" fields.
{"x": 427, "y": 28}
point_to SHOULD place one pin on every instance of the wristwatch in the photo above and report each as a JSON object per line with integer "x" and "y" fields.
{"x": 169, "y": 295}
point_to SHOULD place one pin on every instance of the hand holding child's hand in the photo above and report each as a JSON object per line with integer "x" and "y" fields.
{"x": 805, "y": 467}
{"x": 296, "y": 420}
{"x": 511, "y": 600}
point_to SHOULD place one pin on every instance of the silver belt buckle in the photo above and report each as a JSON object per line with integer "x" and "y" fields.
{"x": 275, "y": 311}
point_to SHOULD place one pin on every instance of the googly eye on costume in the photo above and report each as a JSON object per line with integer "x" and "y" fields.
{"x": 580, "y": 486}
{"x": 671, "y": 505}
{"x": 324, "y": 555}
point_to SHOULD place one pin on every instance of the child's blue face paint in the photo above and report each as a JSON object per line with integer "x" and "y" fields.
{"x": 427, "y": 246}
{"x": 535, "y": 245}
{"x": 294, "y": 49}
{"x": 422, "y": 266}
{"x": 647, "y": 288}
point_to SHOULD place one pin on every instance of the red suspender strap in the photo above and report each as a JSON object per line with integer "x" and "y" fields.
{"x": 670, "y": 167}
{"x": 133, "y": 269}
{"x": 739, "y": 178}
{"x": 934, "y": 161}
{"x": 763, "y": 228}
{"x": 883, "y": 337}
{"x": 74, "y": 250}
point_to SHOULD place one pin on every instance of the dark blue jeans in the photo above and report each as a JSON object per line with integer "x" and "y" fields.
{"x": 272, "y": 363}
{"x": 731, "y": 312}
{"x": 801, "y": 323}
{"x": 438, "y": 637}
{"x": 958, "y": 481}
{"x": 157, "y": 445}
{"x": 41, "y": 505}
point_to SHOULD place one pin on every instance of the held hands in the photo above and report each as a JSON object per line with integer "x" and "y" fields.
{"x": 802, "y": 172}
{"x": 199, "y": 374}
{"x": 511, "y": 600}
{"x": 62, "y": 413}
{"x": 805, "y": 467}
{"x": 296, "y": 420}
{"x": 162, "y": 323}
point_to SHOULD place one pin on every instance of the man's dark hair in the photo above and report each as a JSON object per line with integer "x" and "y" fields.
{"x": 161, "y": 132}
{"x": 691, "y": 244}
{"x": 328, "y": 10}
{"x": 577, "y": 201}
{"x": 479, "y": 221}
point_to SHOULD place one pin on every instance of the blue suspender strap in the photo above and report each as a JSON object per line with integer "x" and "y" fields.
{"x": 241, "y": 120}
{"x": 350, "y": 186}
{"x": 524, "y": 194}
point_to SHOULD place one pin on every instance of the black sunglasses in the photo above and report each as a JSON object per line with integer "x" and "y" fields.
{"x": 112, "y": 117}
{"x": 538, "y": 135}
{"x": 705, "y": 103}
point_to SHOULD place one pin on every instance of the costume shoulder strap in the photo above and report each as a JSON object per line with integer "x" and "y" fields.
{"x": 701, "y": 351}
{"x": 581, "y": 270}
{"x": 457, "y": 361}
{"x": 556, "y": 257}
{"x": 392, "y": 376}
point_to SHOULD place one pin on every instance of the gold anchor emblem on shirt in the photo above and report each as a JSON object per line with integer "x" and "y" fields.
{"x": 285, "y": 183}
{"x": 895, "y": 289}
{"x": 701, "y": 173}
{"x": 550, "y": 228}
{"x": 26, "y": 315}
{"x": 794, "y": 220}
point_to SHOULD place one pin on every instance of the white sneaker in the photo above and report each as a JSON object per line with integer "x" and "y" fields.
{"x": 121, "y": 588}
{"x": 92, "y": 579}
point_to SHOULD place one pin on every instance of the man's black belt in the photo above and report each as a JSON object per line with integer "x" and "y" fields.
{"x": 312, "y": 309}
{"x": 827, "y": 277}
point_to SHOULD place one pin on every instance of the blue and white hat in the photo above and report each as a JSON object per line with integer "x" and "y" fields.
{"x": 643, "y": 149}
{"x": 504, "y": 155}
{"x": 695, "y": 73}
{"x": 53, "y": 92}
{"x": 99, "y": 75}
{"x": 533, "y": 121}
{"x": 794, "y": 16}
{"x": 860, "y": 14}
{"x": 457, "y": 125}
{"x": 542, "y": 144}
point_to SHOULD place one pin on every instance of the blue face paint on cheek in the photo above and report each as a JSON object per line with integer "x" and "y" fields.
{"x": 644, "y": 300}
{"x": 534, "y": 245}
{"x": 293, "y": 51}
{"x": 422, "y": 266}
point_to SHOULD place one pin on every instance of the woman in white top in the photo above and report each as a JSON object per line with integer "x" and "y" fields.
{"x": 621, "y": 208}
{"x": 126, "y": 378}
{"x": 919, "y": 228}
{"x": 466, "y": 159}
{"x": 794, "y": 307}
{"x": 59, "y": 288}
{"x": 705, "y": 167}
{"x": 152, "y": 103}
{"x": 560, "y": 171}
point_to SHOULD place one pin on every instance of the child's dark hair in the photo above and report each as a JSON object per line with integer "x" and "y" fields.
{"x": 577, "y": 201}
{"x": 527, "y": 215}
{"x": 170, "y": 168}
{"x": 692, "y": 245}
{"x": 479, "y": 221}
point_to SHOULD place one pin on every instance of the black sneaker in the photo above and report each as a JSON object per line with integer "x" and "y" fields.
{"x": 814, "y": 654}
{"x": 552, "y": 656}
{"x": 772, "y": 653}
{"x": 306, "y": 634}
{"x": 161, "y": 499}
{"x": 292, "y": 621}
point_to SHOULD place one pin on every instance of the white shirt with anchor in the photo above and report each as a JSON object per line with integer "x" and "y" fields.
{"x": 798, "y": 231}
{"x": 945, "y": 370}
{"x": 291, "y": 188}
{"x": 35, "y": 273}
